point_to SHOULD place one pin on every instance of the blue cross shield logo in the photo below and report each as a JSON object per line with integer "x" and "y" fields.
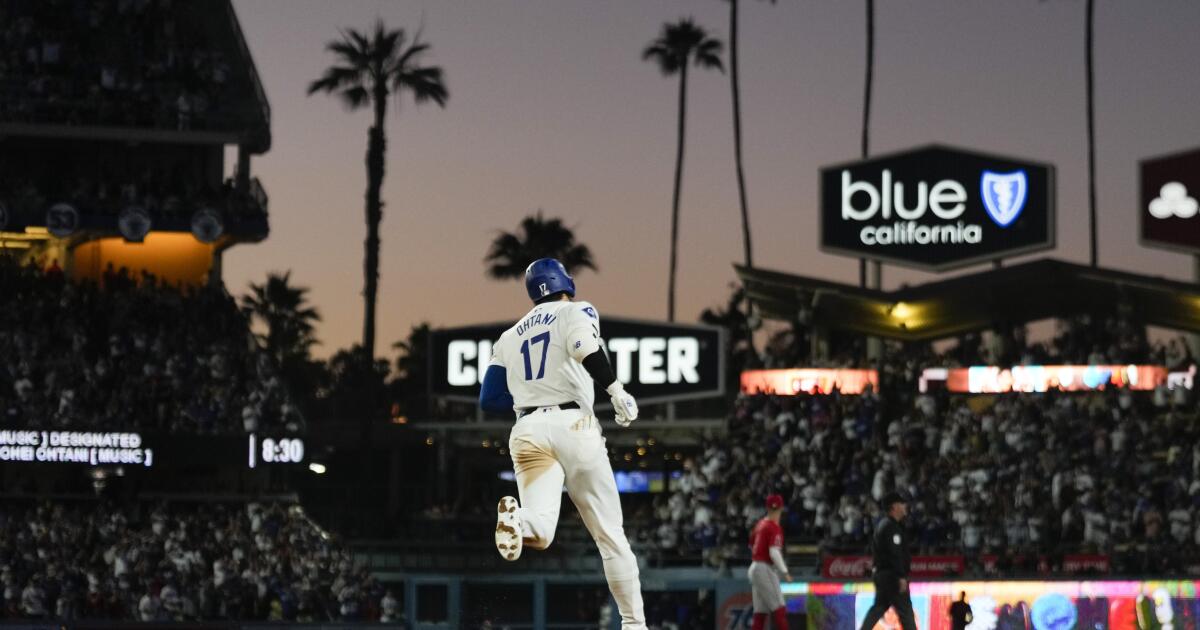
{"x": 1003, "y": 195}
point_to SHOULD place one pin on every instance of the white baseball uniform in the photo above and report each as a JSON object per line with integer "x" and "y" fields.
{"x": 550, "y": 446}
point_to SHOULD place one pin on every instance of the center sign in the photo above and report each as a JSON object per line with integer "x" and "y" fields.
{"x": 657, "y": 361}
{"x": 937, "y": 208}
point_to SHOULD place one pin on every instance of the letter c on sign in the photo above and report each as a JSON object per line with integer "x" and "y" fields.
{"x": 867, "y": 235}
{"x": 458, "y": 372}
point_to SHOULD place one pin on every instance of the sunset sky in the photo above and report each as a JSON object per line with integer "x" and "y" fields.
{"x": 552, "y": 107}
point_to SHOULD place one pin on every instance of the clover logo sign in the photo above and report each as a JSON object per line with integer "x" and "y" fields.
{"x": 1173, "y": 201}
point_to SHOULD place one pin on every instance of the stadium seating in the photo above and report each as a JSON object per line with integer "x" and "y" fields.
{"x": 112, "y": 63}
{"x": 135, "y": 355}
{"x": 157, "y": 562}
{"x": 1015, "y": 476}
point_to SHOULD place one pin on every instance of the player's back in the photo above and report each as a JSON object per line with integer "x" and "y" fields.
{"x": 538, "y": 366}
{"x": 766, "y": 534}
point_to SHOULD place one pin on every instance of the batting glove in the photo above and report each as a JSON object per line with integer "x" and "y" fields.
{"x": 623, "y": 404}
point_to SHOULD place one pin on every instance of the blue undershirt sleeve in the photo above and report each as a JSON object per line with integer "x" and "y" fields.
{"x": 494, "y": 395}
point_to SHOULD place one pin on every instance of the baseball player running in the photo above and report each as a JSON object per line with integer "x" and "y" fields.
{"x": 766, "y": 543}
{"x": 543, "y": 368}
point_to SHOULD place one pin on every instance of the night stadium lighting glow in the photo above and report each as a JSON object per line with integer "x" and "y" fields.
{"x": 22, "y": 236}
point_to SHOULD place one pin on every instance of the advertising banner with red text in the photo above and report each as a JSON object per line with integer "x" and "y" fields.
{"x": 859, "y": 567}
{"x": 808, "y": 381}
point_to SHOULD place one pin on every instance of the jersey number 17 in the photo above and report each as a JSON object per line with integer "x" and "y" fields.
{"x": 543, "y": 339}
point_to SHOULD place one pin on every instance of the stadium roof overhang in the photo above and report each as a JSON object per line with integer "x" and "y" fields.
{"x": 1011, "y": 295}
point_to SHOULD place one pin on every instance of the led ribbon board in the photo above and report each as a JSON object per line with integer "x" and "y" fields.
{"x": 1035, "y": 604}
{"x": 1041, "y": 378}
{"x": 798, "y": 381}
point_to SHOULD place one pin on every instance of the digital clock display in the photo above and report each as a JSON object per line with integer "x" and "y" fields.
{"x": 269, "y": 450}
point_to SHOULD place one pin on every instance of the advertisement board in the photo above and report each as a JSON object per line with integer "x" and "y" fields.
{"x": 982, "y": 379}
{"x": 808, "y": 381}
{"x": 859, "y": 567}
{"x": 657, "y": 361}
{"x": 937, "y": 208}
{"x": 1011, "y": 605}
{"x": 1169, "y": 187}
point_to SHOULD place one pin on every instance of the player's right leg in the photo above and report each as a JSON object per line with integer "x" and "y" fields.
{"x": 592, "y": 489}
{"x": 767, "y": 596}
{"x": 533, "y": 521}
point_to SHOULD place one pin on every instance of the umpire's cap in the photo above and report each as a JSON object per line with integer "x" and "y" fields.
{"x": 893, "y": 498}
{"x": 774, "y": 501}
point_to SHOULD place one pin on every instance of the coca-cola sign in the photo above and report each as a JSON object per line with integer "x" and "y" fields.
{"x": 846, "y": 567}
{"x": 859, "y": 567}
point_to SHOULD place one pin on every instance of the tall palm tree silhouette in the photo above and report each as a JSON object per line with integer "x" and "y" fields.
{"x": 678, "y": 45}
{"x": 537, "y": 237}
{"x": 1090, "y": 16}
{"x": 371, "y": 68}
{"x": 737, "y": 129}
{"x": 866, "y": 121}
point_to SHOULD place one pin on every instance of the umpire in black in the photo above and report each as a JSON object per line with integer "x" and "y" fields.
{"x": 891, "y": 566}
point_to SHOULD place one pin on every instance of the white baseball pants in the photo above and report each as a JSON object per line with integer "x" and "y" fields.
{"x": 551, "y": 446}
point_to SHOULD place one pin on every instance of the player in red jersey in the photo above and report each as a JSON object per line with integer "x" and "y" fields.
{"x": 766, "y": 542}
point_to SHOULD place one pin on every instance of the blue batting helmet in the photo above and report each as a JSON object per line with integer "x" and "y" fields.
{"x": 545, "y": 276}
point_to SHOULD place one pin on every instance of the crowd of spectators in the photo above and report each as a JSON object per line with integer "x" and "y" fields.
{"x": 1014, "y": 476}
{"x": 109, "y": 62}
{"x": 179, "y": 562}
{"x": 135, "y": 354}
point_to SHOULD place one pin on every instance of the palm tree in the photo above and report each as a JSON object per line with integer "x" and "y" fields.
{"x": 1091, "y": 131}
{"x": 675, "y": 47}
{"x": 866, "y": 123}
{"x": 289, "y": 320}
{"x": 737, "y": 127}
{"x": 537, "y": 237}
{"x": 739, "y": 351}
{"x": 283, "y": 309}
{"x": 410, "y": 386}
{"x": 369, "y": 69}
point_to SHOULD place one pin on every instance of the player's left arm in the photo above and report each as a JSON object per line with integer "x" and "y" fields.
{"x": 776, "y": 551}
{"x": 583, "y": 344}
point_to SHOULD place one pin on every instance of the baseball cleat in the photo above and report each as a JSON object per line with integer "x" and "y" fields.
{"x": 508, "y": 529}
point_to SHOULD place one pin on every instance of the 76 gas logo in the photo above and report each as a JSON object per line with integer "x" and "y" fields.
{"x": 736, "y": 612}
{"x": 739, "y": 618}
